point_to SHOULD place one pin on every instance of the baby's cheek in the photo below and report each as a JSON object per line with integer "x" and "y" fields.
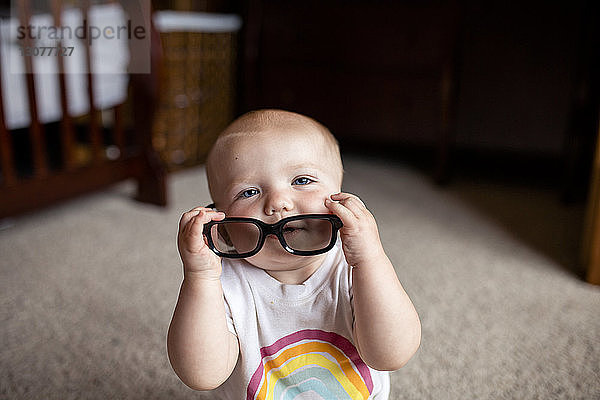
{"x": 243, "y": 209}
{"x": 313, "y": 204}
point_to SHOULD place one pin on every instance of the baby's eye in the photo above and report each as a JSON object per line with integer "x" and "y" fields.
{"x": 248, "y": 193}
{"x": 302, "y": 181}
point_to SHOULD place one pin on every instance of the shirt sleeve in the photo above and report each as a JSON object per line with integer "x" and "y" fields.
{"x": 229, "y": 282}
{"x": 230, "y": 324}
{"x": 351, "y": 292}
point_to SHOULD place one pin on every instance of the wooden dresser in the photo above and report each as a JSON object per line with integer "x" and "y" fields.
{"x": 373, "y": 72}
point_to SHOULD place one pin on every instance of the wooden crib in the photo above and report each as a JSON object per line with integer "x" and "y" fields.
{"x": 46, "y": 162}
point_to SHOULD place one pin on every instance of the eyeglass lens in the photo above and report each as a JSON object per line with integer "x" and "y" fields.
{"x": 307, "y": 234}
{"x": 244, "y": 237}
{"x": 235, "y": 237}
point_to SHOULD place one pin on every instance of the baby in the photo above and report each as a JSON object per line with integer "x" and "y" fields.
{"x": 274, "y": 324}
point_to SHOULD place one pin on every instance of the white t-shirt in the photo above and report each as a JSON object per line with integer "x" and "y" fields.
{"x": 296, "y": 340}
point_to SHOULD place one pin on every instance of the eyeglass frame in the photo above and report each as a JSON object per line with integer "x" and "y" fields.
{"x": 274, "y": 229}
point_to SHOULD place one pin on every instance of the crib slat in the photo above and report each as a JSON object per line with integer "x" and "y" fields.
{"x": 94, "y": 125}
{"x": 9, "y": 177}
{"x": 137, "y": 159}
{"x": 119, "y": 130}
{"x": 6, "y": 150}
{"x": 36, "y": 131}
{"x": 67, "y": 132}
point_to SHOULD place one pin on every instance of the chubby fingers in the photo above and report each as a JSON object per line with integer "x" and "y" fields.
{"x": 348, "y": 207}
{"x": 192, "y": 224}
{"x": 205, "y": 214}
{"x": 349, "y": 201}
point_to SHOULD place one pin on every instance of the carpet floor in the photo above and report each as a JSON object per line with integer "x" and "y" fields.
{"x": 88, "y": 288}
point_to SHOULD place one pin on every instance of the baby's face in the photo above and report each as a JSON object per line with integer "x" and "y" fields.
{"x": 272, "y": 175}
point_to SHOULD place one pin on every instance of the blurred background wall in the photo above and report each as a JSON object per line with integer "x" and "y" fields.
{"x": 458, "y": 88}
{"x": 509, "y": 87}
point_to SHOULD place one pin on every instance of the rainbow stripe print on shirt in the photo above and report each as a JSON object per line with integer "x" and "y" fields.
{"x": 311, "y": 360}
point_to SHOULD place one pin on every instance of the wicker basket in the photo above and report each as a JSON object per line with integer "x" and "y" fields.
{"x": 197, "y": 84}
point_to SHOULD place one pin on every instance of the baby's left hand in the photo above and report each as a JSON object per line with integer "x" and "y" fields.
{"x": 360, "y": 237}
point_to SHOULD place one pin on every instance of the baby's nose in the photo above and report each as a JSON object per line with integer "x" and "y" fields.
{"x": 278, "y": 203}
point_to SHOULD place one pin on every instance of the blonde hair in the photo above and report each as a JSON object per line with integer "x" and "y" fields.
{"x": 262, "y": 120}
{"x": 259, "y": 121}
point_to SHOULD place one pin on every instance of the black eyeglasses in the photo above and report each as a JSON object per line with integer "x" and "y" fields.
{"x": 302, "y": 235}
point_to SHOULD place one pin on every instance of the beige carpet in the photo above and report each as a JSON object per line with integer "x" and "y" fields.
{"x": 88, "y": 288}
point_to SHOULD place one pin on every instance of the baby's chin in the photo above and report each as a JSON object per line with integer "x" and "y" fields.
{"x": 281, "y": 261}
{"x": 293, "y": 272}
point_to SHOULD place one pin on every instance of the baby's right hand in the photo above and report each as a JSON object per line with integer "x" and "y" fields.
{"x": 198, "y": 259}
